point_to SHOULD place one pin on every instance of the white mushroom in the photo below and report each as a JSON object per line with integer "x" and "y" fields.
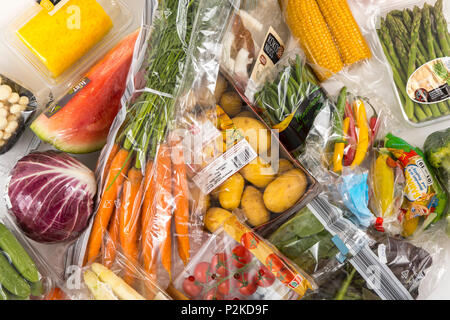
{"x": 3, "y": 113}
{"x": 16, "y": 109}
{"x": 24, "y": 101}
{"x": 3, "y": 123}
{"x": 5, "y": 92}
{"x": 11, "y": 127}
{"x": 6, "y": 136}
{"x": 14, "y": 98}
{"x": 12, "y": 117}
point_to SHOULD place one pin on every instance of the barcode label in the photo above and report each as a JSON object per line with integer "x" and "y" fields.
{"x": 233, "y": 160}
{"x": 241, "y": 159}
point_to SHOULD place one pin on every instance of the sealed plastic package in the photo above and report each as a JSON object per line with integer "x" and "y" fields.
{"x": 60, "y": 37}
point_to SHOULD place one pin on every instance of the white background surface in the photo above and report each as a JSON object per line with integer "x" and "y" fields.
{"x": 9, "y": 64}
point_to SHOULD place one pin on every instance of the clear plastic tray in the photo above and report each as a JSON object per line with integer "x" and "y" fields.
{"x": 400, "y": 5}
{"x": 117, "y": 10}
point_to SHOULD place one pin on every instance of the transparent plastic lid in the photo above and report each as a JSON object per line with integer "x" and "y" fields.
{"x": 62, "y": 40}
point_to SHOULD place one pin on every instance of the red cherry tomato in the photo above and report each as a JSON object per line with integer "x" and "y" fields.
{"x": 243, "y": 284}
{"x": 264, "y": 278}
{"x": 191, "y": 287}
{"x": 241, "y": 256}
{"x": 250, "y": 240}
{"x": 213, "y": 295}
{"x": 285, "y": 275}
{"x": 202, "y": 272}
{"x": 274, "y": 263}
{"x": 224, "y": 287}
{"x": 219, "y": 264}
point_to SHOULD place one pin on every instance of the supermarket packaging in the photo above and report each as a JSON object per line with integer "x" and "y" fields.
{"x": 78, "y": 121}
{"x": 289, "y": 100}
{"x": 96, "y": 281}
{"x": 25, "y": 273}
{"x": 237, "y": 264}
{"x": 62, "y": 38}
{"x": 420, "y": 64}
{"x": 254, "y": 42}
{"x": 141, "y": 139}
{"x": 18, "y": 106}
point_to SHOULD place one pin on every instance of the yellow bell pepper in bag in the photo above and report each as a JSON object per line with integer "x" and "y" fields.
{"x": 383, "y": 185}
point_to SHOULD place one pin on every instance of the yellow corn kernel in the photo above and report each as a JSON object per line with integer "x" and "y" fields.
{"x": 308, "y": 25}
{"x": 352, "y": 45}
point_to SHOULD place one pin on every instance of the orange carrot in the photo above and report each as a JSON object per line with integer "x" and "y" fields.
{"x": 105, "y": 209}
{"x": 149, "y": 195}
{"x": 110, "y": 247}
{"x": 181, "y": 210}
{"x": 163, "y": 217}
{"x": 115, "y": 148}
{"x": 130, "y": 206}
{"x": 154, "y": 221}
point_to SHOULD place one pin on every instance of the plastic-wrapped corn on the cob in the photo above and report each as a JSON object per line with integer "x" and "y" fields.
{"x": 352, "y": 45}
{"x": 309, "y": 26}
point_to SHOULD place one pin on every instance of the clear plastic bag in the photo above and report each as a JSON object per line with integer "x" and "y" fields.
{"x": 254, "y": 42}
{"x": 327, "y": 46}
{"x": 96, "y": 281}
{"x": 136, "y": 205}
{"x": 236, "y": 263}
{"x": 25, "y": 274}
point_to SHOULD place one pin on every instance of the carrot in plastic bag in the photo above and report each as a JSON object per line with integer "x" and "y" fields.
{"x": 181, "y": 209}
{"x": 114, "y": 180}
{"x": 151, "y": 231}
{"x": 129, "y": 219}
{"x": 110, "y": 247}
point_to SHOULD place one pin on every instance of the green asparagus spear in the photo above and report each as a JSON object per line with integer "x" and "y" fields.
{"x": 407, "y": 20}
{"x": 386, "y": 38}
{"x": 397, "y": 78}
{"x": 398, "y": 28}
{"x": 402, "y": 53}
{"x": 441, "y": 27}
{"x": 429, "y": 34}
{"x": 417, "y": 17}
{"x": 421, "y": 116}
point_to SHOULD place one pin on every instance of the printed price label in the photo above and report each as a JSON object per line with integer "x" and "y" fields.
{"x": 233, "y": 160}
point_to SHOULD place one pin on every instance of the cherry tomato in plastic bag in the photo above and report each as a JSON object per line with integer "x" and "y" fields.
{"x": 219, "y": 264}
{"x": 191, "y": 288}
{"x": 245, "y": 286}
{"x": 224, "y": 287}
{"x": 241, "y": 256}
{"x": 202, "y": 272}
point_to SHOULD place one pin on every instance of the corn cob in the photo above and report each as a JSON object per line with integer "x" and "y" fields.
{"x": 351, "y": 43}
{"x": 308, "y": 25}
